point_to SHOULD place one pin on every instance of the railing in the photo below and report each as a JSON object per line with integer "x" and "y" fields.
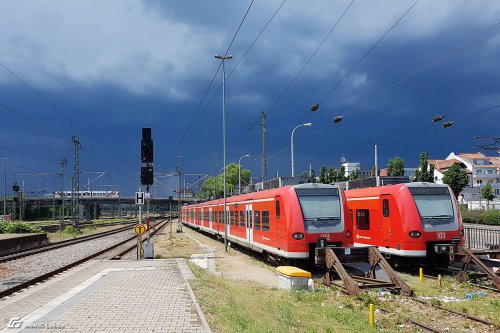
{"x": 476, "y": 238}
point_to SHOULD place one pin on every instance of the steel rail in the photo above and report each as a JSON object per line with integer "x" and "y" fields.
{"x": 45, "y": 276}
{"x": 24, "y": 253}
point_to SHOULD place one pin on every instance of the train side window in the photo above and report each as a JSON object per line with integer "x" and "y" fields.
{"x": 278, "y": 212}
{"x": 231, "y": 214}
{"x": 265, "y": 220}
{"x": 236, "y": 218}
{"x": 362, "y": 219}
{"x": 256, "y": 219}
{"x": 385, "y": 207}
{"x": 242, "y": 219}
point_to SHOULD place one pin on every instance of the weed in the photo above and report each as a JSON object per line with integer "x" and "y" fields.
{"x": 368, "y": 299}
{"x": 435, "y": 301}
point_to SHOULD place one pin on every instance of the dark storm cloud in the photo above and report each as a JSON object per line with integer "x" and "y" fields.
{"x": 116, "y": 66}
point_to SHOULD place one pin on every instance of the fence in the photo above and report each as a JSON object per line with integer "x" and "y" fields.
{"x": 476, "y": 238}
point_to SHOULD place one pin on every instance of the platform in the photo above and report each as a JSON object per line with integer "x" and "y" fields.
{"x": 108, "y": 296}
{"x": 18, "y": 242}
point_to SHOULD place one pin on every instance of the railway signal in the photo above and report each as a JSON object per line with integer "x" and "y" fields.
{"x": 147, "y": 175}
{"x": 146, "y": 146}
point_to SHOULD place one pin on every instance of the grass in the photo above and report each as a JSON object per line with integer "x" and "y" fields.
{"x": 487, "y": 306}
{"x": 232, "y": 306}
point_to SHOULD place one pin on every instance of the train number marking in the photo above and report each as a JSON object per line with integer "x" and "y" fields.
{"x": 441, "y": 235}
{"x": 327, "y": 236}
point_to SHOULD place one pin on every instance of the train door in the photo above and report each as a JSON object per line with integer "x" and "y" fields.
{"x": 248, "y": 224}
{"x": 385, "y": 200}
{"x": 210, "y": 217}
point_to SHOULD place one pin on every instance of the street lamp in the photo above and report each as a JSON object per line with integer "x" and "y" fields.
{"x": 5, "y": 187}
{"x": 291, "y": 140}
{"x": 223, "y": 59}
{"x": 239, "y": 171}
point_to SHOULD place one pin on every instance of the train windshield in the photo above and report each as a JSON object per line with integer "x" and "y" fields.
{"x": 435, "y": 207}
{"x": 321, "y": 209}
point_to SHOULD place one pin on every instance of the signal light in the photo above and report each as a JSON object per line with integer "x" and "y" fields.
{"x": 147, "y": 175}
{"x": 147, "y": 151}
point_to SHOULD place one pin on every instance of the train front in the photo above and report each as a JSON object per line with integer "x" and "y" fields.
{"x": 440, "y": 220}
{"x": 321, "y": 214}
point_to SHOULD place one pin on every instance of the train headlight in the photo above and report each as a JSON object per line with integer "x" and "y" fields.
{"x": 298, "y": 236}
{"x": 348, "y": 234}
{"x": 461, "y": 232}
{"x": 415, "y": 234}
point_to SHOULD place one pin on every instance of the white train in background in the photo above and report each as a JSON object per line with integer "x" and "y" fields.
{"x": 89, "y": 194}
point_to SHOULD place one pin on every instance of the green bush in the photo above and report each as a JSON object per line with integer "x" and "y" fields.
{"x": 481, "y": 217}
{"x": 17, "y": 228}
{"x": 70, "y": 230}
{"x": 491, "y": 217}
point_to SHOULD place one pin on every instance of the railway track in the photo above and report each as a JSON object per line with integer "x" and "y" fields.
{"x": 42, "y": 277}
{"x": 56, "y": 245}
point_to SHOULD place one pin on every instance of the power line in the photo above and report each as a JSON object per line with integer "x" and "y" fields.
{"x": 197, "y": 112}
{"x": 367, "y": 53}
{"x": 310, "y": 58}
{"x": 54, "y": 107}
{"x": 12, "y": 110}
{"x": 463, "y": 43}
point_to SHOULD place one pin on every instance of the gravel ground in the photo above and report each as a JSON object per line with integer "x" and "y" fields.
{"x": 17, "y": 271}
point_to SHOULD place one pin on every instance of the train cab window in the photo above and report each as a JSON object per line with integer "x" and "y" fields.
{"x": 256, "y": 219}
{"x": 242, "y": 219}
{"x": 278, "y": 212}
{"x": 265, "y": 220}
{"x": 385, "y": 207}
{"x": 362, "y": 219}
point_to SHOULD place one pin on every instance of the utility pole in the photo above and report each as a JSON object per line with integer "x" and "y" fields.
{"x": 75, "y": 195}
{"x": 4, "y": 187}
{"x": 377, "y": 178}
{"x": 61, "y": 213}
{"x": 178, "y": 172}
{"x": 264, "y": 148}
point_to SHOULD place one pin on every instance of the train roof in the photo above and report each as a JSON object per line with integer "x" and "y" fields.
{"x": 368, "y": 191}
{"x": 271, "y": 193}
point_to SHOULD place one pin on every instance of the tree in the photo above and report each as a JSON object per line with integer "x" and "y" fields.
{"x": 323, "y": 175}
{"x": 457, "y": 179}
{"x": 356, "y": 174}
{"x": 424, "y": 173}
{"x": 488, "y": 194}
{"x": 332, "y": 175}
{"x": 215, "y": 185}
{"x": 396, "y": 167}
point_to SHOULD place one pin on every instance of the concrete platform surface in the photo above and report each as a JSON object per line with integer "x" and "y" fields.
{"x": 108, "y": 296}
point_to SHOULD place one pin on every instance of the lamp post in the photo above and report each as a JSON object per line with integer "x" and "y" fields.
{"x": 223, "y": 59}
{"x": 291, "y": 144}
{"x": 239, "y": 172}
{"x": 4, "y": 187}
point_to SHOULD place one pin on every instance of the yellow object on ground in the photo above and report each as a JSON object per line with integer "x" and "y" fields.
{"x": 293, "y": 271}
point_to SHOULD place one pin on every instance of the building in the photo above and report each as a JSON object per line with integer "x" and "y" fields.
{"x": 441, "y": 166}
{"x": 484, "y": 169}
{"x": 351, "y": 167}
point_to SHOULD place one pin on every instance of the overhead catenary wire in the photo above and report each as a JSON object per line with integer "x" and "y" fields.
{"x": 349, "y": 72}
{"x": 419, "y": 70}
{"x": 54, "y": 107}
{"x": 198, "y": 109}
{"x": 310, "y": 58}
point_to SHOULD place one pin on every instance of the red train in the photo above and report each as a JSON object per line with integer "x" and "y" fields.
{"x": 417, "y": 220}
{"x": 283, "y": 222}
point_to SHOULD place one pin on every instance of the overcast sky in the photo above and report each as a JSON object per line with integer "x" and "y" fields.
{"x": 102, "y": 70}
